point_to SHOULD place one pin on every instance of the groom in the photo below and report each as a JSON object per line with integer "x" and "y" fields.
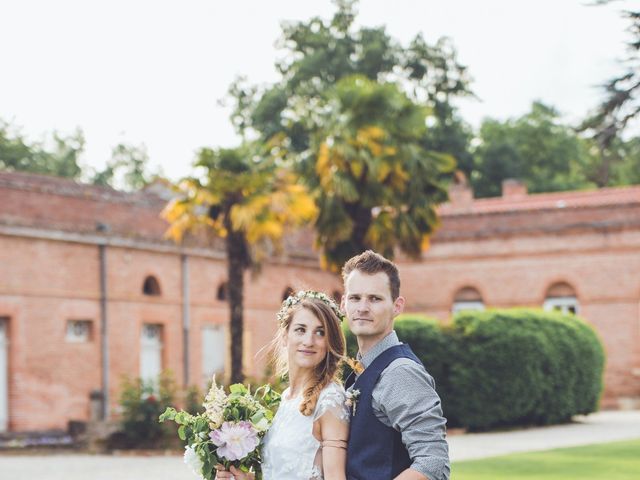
{"x": 397, "y": 430}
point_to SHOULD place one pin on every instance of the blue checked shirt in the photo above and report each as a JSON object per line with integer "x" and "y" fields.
{"x": 405, "y": 399}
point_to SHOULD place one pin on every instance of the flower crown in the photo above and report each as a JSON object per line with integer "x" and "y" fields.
{"x": 293, "y": 300}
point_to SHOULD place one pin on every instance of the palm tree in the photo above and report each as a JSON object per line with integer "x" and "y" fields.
{"x": 375, "y": 184}
{"x": 250, "y": 201}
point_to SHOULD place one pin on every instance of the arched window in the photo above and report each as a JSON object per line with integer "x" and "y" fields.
{"x": 223, "y": 292}
{"x": 467, "y": 298}
{"x": 287, "y": 293}
{"x": 561, "y": 297}
{"x": 151, "y": 286}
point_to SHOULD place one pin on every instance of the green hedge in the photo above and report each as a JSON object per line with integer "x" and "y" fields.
{"x": 508, "y": 367}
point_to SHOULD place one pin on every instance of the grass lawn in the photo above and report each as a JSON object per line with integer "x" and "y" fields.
{"x": 611, "y": 461}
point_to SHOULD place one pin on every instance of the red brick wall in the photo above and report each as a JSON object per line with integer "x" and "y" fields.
{"x": 44, "y": 283}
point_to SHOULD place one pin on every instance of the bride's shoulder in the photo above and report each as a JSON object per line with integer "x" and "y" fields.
{"x": 332, "y": 399}
{"x": 333, "y": 389}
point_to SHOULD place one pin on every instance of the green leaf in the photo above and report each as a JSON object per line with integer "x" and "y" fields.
{"x": 169, "y": 414}
{"x": 238, "y": 388}
{"x": 181, "y": 432}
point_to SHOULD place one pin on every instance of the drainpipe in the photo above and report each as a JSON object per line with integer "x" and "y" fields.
{"x": 104, "y": 332}
{"x": 186, "y": 320}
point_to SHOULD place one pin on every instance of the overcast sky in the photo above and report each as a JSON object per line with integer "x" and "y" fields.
{"x": 152, "y": 71}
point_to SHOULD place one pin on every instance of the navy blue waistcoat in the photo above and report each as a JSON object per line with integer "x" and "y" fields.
{"x": 375, "y": 451}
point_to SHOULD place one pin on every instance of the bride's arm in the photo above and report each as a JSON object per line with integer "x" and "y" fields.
{"x": 334, "y": 434}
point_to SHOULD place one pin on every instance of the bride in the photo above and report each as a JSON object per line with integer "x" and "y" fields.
{"x": 308, "y": 437}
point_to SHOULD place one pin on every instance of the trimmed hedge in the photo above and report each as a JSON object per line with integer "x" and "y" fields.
{"x": 507, "y": 367}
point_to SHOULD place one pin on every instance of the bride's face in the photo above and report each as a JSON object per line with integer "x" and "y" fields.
{"x": 306, "y": 340}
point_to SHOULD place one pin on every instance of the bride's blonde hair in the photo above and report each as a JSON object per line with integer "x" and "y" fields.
{"x": 327, "y": 370}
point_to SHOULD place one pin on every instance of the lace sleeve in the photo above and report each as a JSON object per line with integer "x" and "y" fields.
{"x": 332, "y": 400}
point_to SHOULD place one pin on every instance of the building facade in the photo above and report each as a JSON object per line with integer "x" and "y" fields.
{"x": 90, "y": 291}
{"x": 573, "y": 251}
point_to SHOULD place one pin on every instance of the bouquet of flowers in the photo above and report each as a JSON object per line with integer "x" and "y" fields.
{"x": 229, "y": 431}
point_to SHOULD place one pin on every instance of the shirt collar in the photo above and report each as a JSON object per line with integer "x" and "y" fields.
{"x": 391, "y": 340}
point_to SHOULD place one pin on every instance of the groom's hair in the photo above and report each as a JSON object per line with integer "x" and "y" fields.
{"x": 370, "y": 262}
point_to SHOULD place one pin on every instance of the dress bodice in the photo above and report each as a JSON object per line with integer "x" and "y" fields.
{"x": 291, "y": 452}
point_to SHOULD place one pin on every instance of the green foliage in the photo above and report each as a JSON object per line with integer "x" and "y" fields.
{"x": 362, "y": 99}
{"x": 507, "y": 367}
{"x": 57, "y": 156}
{"x": 127, "y": 169}
{"x": 141, "y": 403}
{"x": 376, "y": 185}
{"x": 240, "y": 404}
{"x": 620, "y": 106}
{"x": 523, "y": 367}
{"x": 535, "y": 148}
{"x": 193, "y": 400}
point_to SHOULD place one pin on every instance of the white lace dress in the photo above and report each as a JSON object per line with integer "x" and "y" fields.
{"x": 291, "y": 452}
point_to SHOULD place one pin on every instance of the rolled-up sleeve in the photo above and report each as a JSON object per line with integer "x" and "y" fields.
{"x": 405, "y": 399}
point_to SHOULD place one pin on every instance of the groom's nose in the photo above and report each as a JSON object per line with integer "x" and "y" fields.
{"x": 363, "y": 306}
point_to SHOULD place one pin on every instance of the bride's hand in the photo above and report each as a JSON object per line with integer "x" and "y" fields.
{"x": 234, "y": 474}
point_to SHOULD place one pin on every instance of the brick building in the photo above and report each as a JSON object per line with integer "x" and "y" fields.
{"x": 76, "y": 258}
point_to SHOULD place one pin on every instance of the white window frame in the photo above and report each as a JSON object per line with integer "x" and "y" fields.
{"x": 466, "y": 305}
{"x": 78, "y": 331}
{"x": 220, "y": 356}
{"x": 151, "y": 341}
{"x": 562, "y": 304}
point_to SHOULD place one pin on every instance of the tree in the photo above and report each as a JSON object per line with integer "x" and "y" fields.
{"x": 375, "y": 184}
{"x": 535, "y": 148}
{"x": 247, "y": 199}
{"x": 620, "y": 106}
{"x": 127, "y": 169}
{"x": 57, "y": 156}
{"x": 319, "y": 53}
{"x": 375, "y": 179}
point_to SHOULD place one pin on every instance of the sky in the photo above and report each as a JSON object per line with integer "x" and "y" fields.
{"x": 153, "y": 72}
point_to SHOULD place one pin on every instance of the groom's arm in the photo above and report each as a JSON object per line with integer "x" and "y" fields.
{"x": 410, "y": 474}
{"x": 405, "y": 399}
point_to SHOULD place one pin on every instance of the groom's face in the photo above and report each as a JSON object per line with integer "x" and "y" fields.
{"x": 369, "y": 306}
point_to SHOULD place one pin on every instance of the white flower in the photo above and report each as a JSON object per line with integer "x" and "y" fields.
{"x": 214, "y": 404}
{"x": 192, "y": 459}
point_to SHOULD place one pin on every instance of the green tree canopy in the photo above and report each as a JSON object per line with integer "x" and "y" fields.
{"x": 375, "y": 184}
{"x": 128, "y": 168}
{"x": 536, "y": 148}
{"x": 318, "y": 53}
{"x": 58, "y": 155}
{"x": 351, "y": 109}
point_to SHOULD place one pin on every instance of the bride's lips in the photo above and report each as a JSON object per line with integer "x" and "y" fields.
{"x": 307, "y": 352}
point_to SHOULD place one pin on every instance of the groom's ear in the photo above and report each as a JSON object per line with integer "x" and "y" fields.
{"x": 398, "y": 306}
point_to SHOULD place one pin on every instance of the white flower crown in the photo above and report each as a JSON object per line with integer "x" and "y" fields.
{"x": 293, "y": 300}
